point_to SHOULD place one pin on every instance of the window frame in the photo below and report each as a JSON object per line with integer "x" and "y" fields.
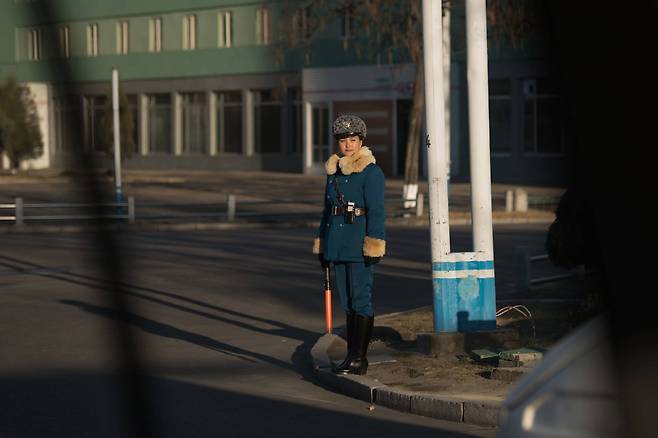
{"x": 65, "y": 41}
{"x": 225, "y": 29}
{"x": 221, "y": 106}
{"x": 155, "y": 35}
{"x": 535, "y": 96}
{"x": 92, "y": 39}
{"x": 508, "y": 96}
{"x": 347, "y": 28}
{"x": 34, "y": 44}
{"x": 190, "y": 32}
{"x": 263, "y": 26}
{"x": 122, "y": 37}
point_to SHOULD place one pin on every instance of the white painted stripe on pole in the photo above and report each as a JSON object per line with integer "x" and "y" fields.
{"x": 480, "y": 273}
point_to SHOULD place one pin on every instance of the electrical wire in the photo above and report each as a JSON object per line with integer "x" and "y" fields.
{"x": 523, "y": 310}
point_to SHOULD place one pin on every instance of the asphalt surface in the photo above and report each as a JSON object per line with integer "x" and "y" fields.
{"x": 223, "y": 322}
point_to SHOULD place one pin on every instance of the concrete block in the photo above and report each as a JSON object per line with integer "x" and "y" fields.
{"x": 399, "y": 400}
{"x": 507, "y": 374}
{"x": 521, "y": 355}
{"x": 440, "y": 343}
{"x": 436, "y": 407}
{"x": 482, "y": 413}
{"x": 520, "y": 200}
{"x": 490, "y": 339}
{"x": 509, "y": 363}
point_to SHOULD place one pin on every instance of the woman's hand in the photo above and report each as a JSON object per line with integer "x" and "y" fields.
{"x": 371, "y": 260}
{"x": 323, "y": 263}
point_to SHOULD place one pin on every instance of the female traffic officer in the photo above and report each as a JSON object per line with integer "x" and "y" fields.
{"x": 351, "y": 234}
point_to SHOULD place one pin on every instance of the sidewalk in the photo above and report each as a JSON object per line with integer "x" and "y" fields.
{"x": 464, "y": 387}
{"x": 172, "y": 194}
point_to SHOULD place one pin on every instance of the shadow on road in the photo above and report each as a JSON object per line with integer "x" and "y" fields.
{"x": 87, "y": 405}
{"x": 300, "y": 361}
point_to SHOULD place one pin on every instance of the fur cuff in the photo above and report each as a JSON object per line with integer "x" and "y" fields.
{"x": 317, "y": 245}
{"x": 374, "y": 247}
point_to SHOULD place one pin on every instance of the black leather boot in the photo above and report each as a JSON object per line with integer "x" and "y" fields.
{"x": 349, "y": 325}
{"x": 362, "y": 333}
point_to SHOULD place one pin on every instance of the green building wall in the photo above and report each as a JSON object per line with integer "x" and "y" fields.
{"x": 245, "y": 56}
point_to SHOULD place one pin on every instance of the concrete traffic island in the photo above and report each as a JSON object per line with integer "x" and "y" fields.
{"x": 465, "y": 384}
{"x": 478, "y": 409}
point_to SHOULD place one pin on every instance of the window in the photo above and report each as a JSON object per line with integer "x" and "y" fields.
{"x": 263, "y": 26}
{"x": 95, "y": 108}
{"x": 159, "y": 123}
{"x": 267, "y": 108}
{"x": 300, "y": 25}
{"x": 320, "y": 133}
{"x": 295, "y": 120}
{"x": 347, "y": 22}
{"x": 500, "y": 115}
{"x": 543, "y": 125}
{"x": 189, "y": 32}
{"x": 155, "y": 35}
{"x": 34, "y": 44}
{"x": 225, "y": 29}
{"x": 133, "y": 110}
{"x": 122, "y": 37}
{"x": 195, "y": 115}
{"x": 67, "y": 111}
{"x": 229, "y": 122}
{"x": 92, "y": 39}
{"x": 64, "y": 41}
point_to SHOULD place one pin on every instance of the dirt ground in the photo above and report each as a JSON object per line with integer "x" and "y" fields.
{"x": 462, "y": 375}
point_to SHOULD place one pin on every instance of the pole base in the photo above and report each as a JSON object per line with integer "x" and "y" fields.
{"x": 439, "y": 343}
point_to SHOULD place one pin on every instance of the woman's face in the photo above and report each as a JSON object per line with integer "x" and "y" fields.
{"x": 349, "y": 145}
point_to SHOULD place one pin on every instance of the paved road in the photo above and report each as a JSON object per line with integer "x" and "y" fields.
{"x": 224, "y": 322}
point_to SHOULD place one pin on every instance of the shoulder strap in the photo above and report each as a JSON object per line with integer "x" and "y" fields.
{"x": 341, "y": 199}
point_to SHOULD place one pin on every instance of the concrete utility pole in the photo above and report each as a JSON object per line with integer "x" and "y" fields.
{"x": 464, "y": 291}
{"x": 117, "y": 142}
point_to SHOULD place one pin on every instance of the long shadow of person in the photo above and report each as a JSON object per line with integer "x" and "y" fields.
{"x": 169, "y": 331}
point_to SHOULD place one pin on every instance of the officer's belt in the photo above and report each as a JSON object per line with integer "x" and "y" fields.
{"x": 339, "y": 211}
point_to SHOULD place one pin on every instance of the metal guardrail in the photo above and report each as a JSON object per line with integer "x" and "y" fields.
{"x": 227, "y": 210}
{"x": 19, "y": 217}
{"x": 523, "y": 268}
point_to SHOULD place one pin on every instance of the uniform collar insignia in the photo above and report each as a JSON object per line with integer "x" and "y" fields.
{"x": 348, "y": 165}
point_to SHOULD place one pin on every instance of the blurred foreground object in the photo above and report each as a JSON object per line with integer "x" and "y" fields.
{"x": 573, "y": 392}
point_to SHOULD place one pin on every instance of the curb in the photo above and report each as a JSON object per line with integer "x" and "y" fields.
{"x": 462, "y": 410}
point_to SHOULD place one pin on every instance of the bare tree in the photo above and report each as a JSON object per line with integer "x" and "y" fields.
{"x": 387, "y": 28}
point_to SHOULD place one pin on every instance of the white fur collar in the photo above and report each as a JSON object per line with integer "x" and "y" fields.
{"x": 352, "y": 164}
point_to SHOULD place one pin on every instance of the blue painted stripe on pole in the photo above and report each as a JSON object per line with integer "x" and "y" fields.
{"x": 464, "y": 305}
{"x": 463, "y": 266}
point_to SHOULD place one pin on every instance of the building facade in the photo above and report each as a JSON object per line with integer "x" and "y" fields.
{"x": 209, "y": 85}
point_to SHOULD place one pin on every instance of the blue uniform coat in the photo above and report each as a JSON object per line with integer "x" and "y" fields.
{"x": 360, "y": 181}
